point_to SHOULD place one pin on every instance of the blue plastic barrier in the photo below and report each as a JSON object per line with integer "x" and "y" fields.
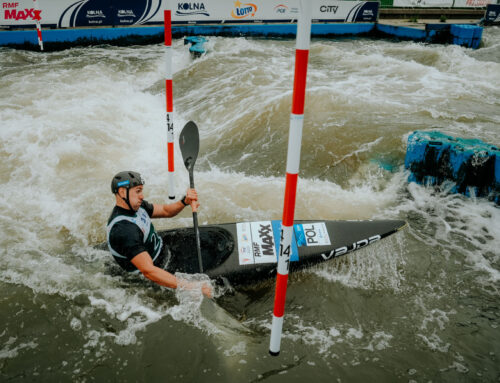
{"x": 473, "y": 165}
{"x": 476, "y": 39}
{"x": 466, "y": 35}
{"x": 402, "y": 32}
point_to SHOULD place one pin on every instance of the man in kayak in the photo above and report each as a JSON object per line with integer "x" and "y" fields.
{"x": 132, "y": 239}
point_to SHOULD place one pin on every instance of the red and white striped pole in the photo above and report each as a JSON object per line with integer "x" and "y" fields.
{"x": 170, "y": 101}
{"x": 292, "y": 170}
{"x": 38, "y": 20}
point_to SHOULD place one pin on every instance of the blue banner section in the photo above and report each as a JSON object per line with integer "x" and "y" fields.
{"x": 128, "y": 12}
{"x": 277, "y": 232}
{"x": 90, "y": 13}
{"x": 492, "y": 15}
{"x": 368, "y": 12}
{"x": 109, "y": 13}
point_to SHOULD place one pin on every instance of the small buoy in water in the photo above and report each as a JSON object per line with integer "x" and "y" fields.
{"x": 473, "y": 165}
{"x": 196, "y": 49}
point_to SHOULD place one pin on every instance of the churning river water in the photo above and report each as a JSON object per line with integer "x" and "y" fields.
{"x": 420, "y": 306}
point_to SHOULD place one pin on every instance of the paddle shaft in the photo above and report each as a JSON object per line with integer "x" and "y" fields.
{"x": 195, "y": 223}
{"x": 189, "y": 143}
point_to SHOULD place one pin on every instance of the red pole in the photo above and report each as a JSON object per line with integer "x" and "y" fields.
{"x": 169, "y": 102}
{"x": 38, "y": 20}
{"x": 292, "y": 171}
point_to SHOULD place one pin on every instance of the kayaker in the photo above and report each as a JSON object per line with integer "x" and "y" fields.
{"x": 131, "y": 236}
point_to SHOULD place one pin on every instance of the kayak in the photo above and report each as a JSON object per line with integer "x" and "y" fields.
{"x": 246, "y": 252}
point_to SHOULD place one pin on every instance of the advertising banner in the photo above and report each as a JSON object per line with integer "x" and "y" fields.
{"x": 473, "y": 3}
{"x": 88, "y": 13}
{"x": 258, "y": 242}
{"x": 424, "y": 3}
{"x": 71, "y": 13}
{"x": 492, "y": 15}
{"x": 443, "y": 3}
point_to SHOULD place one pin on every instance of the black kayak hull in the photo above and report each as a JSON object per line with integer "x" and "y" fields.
{"x": 246, "y": 252}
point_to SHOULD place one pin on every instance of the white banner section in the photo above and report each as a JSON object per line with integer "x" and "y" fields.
{"x": 256, "y": 242}
{"x": 79, "y": 13}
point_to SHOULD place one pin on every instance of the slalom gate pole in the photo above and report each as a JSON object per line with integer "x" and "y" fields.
{"x": 292, "y": 171}
{"x": 169, "y": 101}
{"x": 38, "y": 22}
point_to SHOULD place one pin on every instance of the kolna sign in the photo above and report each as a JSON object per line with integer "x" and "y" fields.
{"x": 189, "y": 9}
{"x": 82, "y": 13}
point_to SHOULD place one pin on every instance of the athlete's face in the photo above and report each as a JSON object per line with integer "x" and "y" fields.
{"x": 136, "y": 197}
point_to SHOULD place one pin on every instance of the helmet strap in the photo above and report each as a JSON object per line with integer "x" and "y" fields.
{"x": 127, "y": 200}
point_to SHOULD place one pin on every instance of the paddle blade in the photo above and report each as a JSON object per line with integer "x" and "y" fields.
{"x": 189, "y": 142}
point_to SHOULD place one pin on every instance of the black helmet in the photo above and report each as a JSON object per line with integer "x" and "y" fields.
{"x": 127, "y": 179}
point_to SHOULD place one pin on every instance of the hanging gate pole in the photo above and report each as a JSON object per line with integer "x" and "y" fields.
{"x": 169, "y": 101}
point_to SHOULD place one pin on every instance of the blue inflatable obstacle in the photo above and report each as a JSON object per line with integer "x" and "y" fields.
{"x": 466, "y": 35}
{"x": 471, "y": 164}
{"x": 196, "y": 49}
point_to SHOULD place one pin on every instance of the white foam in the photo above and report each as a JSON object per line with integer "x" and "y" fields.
{"x": 437, "y": 316}
{"x": 11, "y": 350}
{"x": 377, "y": 267}
{"x": 466, "y": 228}
{"x": 355, "y": 333}
{"x": 328, "y": 340}
{"x": 380, "y": 341}
{"x": 434, "y": 342}
{"x": 238, "y": 349}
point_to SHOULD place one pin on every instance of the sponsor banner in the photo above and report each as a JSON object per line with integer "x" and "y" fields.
{"x": 443, "y": 3}
{"x": 82, "y": 13}
{"x": 345, "y": 11}
{"x": 263, "y": 242}
{"x": 424, "y": 3}
{"x": 19, "y": 13}
{"x": 258, "y": 242}
{"x": 472, "y": 3}
{"x": 492, "y": 15}
{"x": 312, "y": 234}
{"x": 244, "y": 234}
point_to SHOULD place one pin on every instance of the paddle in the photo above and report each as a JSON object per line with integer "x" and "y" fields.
{"x": 189, "y": 142}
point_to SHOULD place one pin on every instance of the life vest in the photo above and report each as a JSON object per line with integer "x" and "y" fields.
{"x": 151, "y": 239}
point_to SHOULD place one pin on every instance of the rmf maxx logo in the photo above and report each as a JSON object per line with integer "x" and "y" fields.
{"x": 241, "y": 10}
{"x": 14, "y": 14}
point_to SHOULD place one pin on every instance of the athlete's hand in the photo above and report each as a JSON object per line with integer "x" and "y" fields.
{"x": 207, "y": 290}
{"x": 206, "y": 287}
{"x": 192, "y": 199}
